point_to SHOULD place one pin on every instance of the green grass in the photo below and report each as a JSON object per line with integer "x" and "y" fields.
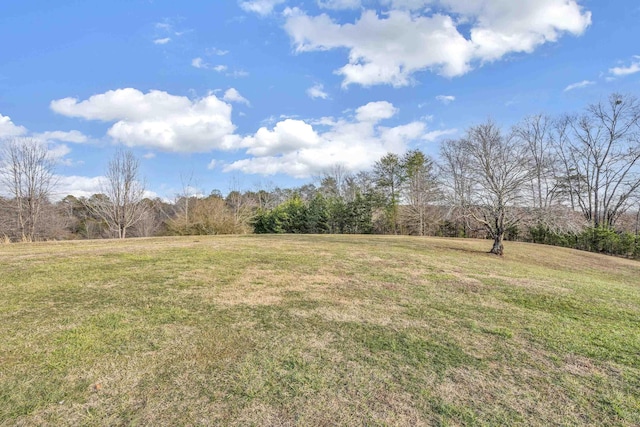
{"x": 316, "y": 330}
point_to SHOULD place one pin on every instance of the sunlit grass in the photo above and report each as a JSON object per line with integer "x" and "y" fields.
{"x": 316, "y": 330}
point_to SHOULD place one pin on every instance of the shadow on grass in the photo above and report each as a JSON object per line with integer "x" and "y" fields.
{"x": 466, "y": 250}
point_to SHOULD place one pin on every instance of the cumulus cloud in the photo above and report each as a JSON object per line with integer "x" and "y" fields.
{"x": 287, "y": 136}
{"x": 579, "y": 85}
{"x": 49, "y": 140}
{"x": 390, "y": 47}
{"x": 9, "y": 129}
{"x": 339, "y": 4}
{"x": 74, "y": 136}
{"x": 157, "y": 119}
{"x": 261, "y": 7}
{"x": 163, "y": 40}
{"x": 79, "y": 186}
{"x": 84, "y": 186}
{"x": 59, "y": 152}
{"x": 198, "y": 63}
{"x": 232, "y": 95}
{"x": 302, "y": 148}
{"x": 376, "y": 111}
{"x": 317, "y": 91}
{"x": 633, "y": 68}
{"x": 446, "y": 99}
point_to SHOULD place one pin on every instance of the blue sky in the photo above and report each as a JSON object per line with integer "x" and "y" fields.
{"x": 250, "y": 94}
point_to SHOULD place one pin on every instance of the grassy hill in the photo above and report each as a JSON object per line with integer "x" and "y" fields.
{"x": 316, "y": 330}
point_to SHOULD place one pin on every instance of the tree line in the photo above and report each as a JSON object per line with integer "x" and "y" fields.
{"x": 572, "y": 180}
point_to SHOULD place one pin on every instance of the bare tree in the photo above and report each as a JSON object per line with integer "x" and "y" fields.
{"x": 456, "y": 180}
{"x": 242, "y": 206}
{"x": 185, "y": 201}
{"x": 496, "y": 173}
{"x": 151, "y": 219}
{"x": 123, "y": 205}
{"x": 27, "y": 173}
{"x": 535, "y": 133}
{"x": 600, "y": 152}
{"x": 336, "y": 181}
{"x": 547, "y": 189}
{"x": 263, "y": 194}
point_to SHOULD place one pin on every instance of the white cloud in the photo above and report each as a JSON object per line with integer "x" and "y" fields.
{"x": 198, "y": 63}
{"x": 294, "y": 147}
{"x": 391, "y": 47}
{"x": 74, "y": 136}
{"x": 339, "y": 4}
{"x": 148, "y": 194}
{"x": 164, "y": 40}
{"x": 201, "y": 64}
{"x": 232, "y": 95}
{"x": 317, "y": 91}
{"x": 59, "y": 152}
{"x": 85, "y": 186}
{"x": 191, "y": 191}
{"x": 437, "y": 134}
{"x": 9, "y": 129}
{"x": 216, "y": 51}
{"x": 167, "y": 27}
{"x": 446, "y": 99}
{"x": 287, "y": 136}
{"x": 212, "y": 164}
{"x": 157, "y": 119}
{"x": 375, "y": 111}
{"x": 579, "y": 85}
{"x": 238, "y": 74}
{"x": 149, "y": 155}
{"x": 79, "y": 186}
{"x": 261, "y": 7}
{"x": 56, "y": 152}
{"x": 633, "y": 68}
{"x": 413, "y": 5}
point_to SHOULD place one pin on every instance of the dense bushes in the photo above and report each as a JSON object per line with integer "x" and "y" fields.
{"x": 600, "y": 239}
{"x": 319, "y": 216}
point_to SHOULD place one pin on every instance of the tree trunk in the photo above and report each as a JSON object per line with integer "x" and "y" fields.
{"x": 498, "y": 248}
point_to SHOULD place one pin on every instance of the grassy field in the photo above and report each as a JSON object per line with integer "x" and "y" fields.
{"x": 316, "y": 330}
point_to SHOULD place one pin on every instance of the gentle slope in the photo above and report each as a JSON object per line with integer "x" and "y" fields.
{"x": 316, "y": 330}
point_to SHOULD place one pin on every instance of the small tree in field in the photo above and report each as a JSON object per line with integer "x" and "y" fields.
{"x": 122, "y": 207}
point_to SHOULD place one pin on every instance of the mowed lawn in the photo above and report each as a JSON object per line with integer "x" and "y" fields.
{"x": 316, "y": 330}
